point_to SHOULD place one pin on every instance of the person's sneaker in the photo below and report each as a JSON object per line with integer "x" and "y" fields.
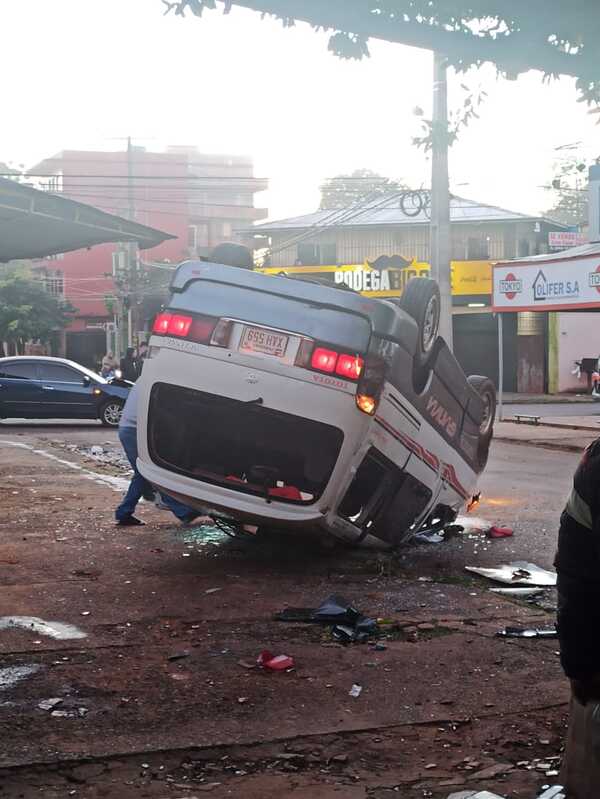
{"x": 129, "y": 521}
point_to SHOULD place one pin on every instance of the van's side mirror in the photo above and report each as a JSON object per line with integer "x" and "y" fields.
{"x": 86, "y": 380}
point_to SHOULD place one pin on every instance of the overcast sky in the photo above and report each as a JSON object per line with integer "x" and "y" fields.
{"x": 78, "y": 74}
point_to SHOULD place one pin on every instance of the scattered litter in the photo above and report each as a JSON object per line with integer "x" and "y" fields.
{"x": 425, "y": 579}
{"x": 475, "y": 795}
{"x": 179, "y": 655}
{"x": 60, "y": 714}
{"x": 267, "y": 660}
{"x": 355, "y": 691}
{"x": 246, "y": 664}
{"x": 524, "y": 593}
{"x": 517, "y": 573}
{"x": 473, "y": 524}
{"x": 500, "y": 532}
{"x": 429, "y": 537}
{"x": 349, "y": 625}
{"x": 213, "y": 590}
{"x": 96, "y": 450}
{"x": 49, "y": 704}
{"x": 519, "y": 632}
{"x": 85, "y": 613}
{"x": 11, "y": 675}
{"x": 242, "y": 700}
{"x": 53, "y": 629}
{"x": 553, "y": 792}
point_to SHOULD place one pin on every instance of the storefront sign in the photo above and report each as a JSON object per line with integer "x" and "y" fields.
{"x": 566, "y": 238}
{"x": 547, "y": 286}
{"x": 469, "y": 278}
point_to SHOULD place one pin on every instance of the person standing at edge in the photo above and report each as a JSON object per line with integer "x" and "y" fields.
{"x": 578, "y": 565}
{"x": 128, "y": 369}
{"x": 139, "y": 487}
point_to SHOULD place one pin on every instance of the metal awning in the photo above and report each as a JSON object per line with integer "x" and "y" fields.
{"x": 34, "y": 224}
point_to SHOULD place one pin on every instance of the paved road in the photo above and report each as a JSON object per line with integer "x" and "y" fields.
{"x": 173, "y": 619}
{"x": 554, "y": 409}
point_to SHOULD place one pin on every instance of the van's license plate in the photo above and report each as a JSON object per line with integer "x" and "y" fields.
{"x": 257, "y": 339}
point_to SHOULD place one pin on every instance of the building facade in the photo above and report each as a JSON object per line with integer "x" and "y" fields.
{"x": 201, "y": 200}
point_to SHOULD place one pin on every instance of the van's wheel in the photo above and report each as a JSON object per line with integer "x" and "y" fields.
{"x": 110, "y": 413}
{"x": 487, "y": 391}
{"x": 421, "y": 300}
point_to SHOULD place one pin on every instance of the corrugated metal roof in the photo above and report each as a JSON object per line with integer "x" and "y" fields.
{"x": 34, "y": 224}
{"x": 583, "y": 251}
{"x": 389, "y": 212}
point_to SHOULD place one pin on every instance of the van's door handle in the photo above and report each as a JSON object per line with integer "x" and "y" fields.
{"x": 48, "y": 388}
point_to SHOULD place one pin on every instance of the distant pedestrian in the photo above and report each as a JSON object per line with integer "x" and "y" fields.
{"x": 109, "y": 364}
{"x": 142, "y": 354}
{"x": 578, "y": 565}
{"x": 128, "y": 367}
{"x": 139, "y": 487}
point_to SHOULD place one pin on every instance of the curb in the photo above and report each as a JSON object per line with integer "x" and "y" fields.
{"x": 556, "y": 445}
{"x": 557, "y": 425}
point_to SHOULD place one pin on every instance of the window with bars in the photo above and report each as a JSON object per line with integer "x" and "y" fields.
{"x": 54, "y": 284}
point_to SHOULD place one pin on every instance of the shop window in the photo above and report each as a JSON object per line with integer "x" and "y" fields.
{"x": 478, "y": 248}
{"x": 316, "y": 254}
{"x": 524, "y": 248}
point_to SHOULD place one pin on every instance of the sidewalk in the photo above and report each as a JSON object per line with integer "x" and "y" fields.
{"x": 512, "y": 398}
{"x": 573, "y": 434}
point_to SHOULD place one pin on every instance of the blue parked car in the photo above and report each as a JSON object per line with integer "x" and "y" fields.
{"x": 33, "y": 387}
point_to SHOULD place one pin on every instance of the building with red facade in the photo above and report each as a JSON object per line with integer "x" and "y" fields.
{"x": 200, "y": 199}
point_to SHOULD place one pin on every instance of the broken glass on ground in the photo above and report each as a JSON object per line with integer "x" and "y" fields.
{"x": 534, "y": 632}
{"x": 522, "y": 593}
{"x": 517, "y": 573}
{"x": 475, "y": 795}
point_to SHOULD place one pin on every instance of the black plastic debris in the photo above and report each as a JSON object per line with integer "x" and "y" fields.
{"x": 520, "y": 632}
{"x": 349, "y": 625}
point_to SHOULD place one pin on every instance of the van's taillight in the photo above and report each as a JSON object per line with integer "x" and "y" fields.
{"x": 366, "y": 403}
{"x": 202, "y": 329}
{"x": 347, "y": 366}
{"x": 324, "y": 360}
{"x": 180, "y": 325}
{"x": 161, "y": 324}
{"x": 370, "y": 385}
{"x": 194, "y": 328}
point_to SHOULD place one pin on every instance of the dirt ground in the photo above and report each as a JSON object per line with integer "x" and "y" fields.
{"x": 157, "y": 696}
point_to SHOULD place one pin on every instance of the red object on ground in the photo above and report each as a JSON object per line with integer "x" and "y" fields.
{"x": 273, "y": 662}
{"x": 500, "y": 532}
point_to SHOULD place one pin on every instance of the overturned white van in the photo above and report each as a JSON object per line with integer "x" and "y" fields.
{"x": 282, "y": 403}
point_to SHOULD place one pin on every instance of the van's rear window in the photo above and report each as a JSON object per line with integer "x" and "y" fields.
{"x": 343, "y": 328}
{"x": 241, "y": 445}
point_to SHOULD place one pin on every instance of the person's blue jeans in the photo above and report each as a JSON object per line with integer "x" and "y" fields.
{"x": 139, "y": 485}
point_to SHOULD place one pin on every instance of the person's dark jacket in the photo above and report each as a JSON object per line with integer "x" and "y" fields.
{"x": 578, "y": 565}
{"x": 128, "y": 368}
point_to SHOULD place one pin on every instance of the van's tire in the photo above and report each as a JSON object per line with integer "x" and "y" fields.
{"x": 421, "y": 300}
{"x": 110, "y": 413}
{"x": 487, "y": 391}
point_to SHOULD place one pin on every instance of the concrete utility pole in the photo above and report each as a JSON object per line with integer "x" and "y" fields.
{"x": 440, "y": 239}
{"x": 132, "y": 252}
